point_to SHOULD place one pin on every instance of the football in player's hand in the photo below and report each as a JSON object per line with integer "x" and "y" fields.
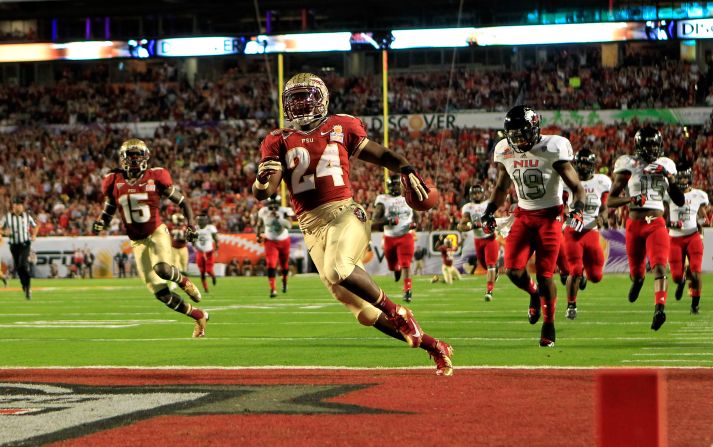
{"x": 421, "y": 205}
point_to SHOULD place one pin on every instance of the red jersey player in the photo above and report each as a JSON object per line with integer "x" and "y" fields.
{"x": 397, "y": 219}
{"x": 582, "y": 249}
{"x": 137, "y": 192}
{"x": 685, "y": 228}
{"x": 537, "y": 164}
{"x": 313, "y": 158}
{"x": 273, "y": 224}
{"x": 646, "y": 176}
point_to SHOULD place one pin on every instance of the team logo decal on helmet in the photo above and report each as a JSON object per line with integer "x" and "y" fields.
{"x": 648, "y": 144}
{"x": 134, "y": 157}
{"x": 584, "y": 162}
{"x": 522, "y": 128}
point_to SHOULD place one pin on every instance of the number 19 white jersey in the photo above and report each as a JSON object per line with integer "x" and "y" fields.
{"x": 537, "y": 183}
{"x": 653, "y": 186}
{"x": 594, "y": 189}
{"x": 695, "y": 198}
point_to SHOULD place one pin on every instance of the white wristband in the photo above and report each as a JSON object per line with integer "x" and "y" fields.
{"x": 261, "y": 186}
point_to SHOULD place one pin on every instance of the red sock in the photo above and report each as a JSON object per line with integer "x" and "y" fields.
{"x": 571, "y": 299}
{"x": 490, "y": 286}
{"x": 548, "y": 309}
{"x": 428, "y": 343}
{"x": 661, "y": 297}
{"x": 272, "y": 283}
{"x": 532, "y": 287}
{"x": 407, "y": 284}
{"x": 385, "y": 305}
{"x": 196, "y": 313}
{"x": 695, "y": 293}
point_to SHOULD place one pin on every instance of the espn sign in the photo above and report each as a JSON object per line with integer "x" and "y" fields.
{"x": 695, "y": 29}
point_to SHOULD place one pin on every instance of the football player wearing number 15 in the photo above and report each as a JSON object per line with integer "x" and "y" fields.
{"x": 138, "y": 191}
{"x": 313, "y": 158}
{"x": 537, "y": 164}
{"x": 646, "y": 175}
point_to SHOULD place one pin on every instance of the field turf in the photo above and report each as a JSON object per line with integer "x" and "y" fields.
{"x": 70, "y": 323}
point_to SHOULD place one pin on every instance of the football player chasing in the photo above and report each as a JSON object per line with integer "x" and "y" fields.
{"x": 686, "y": 230}
{"x": 537, "y": 164}
{"x": 646, "y": 176}
{"x": 313, "y": 158}
{"x": 397, "y": 220}
{"x": 487, "y": 247}
{"x": 179, "y": 243}
{"x": 582, "y": 249}
{"x": 273, "y": 224}
{"x": 137, "y": 192}
{"x": 206, "y": 244}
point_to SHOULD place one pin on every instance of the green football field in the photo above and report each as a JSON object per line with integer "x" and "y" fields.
{"x": 118, "y": 323}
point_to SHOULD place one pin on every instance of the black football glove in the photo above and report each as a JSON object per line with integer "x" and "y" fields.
{"x": 575, "y": 218}
{"x": 488, "y": 223}
{"x": 98, "y": 226}
{"x": 191, "y": 234}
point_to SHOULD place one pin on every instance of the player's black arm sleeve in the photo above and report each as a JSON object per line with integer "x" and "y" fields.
{"x": 175, "y": 196}
{"x": 379, "y": 155}
{"x": 676, "y": 194}
{"x": 108, "y": 211}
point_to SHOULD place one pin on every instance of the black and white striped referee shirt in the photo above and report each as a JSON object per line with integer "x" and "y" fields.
{"x": 19, "y": 226}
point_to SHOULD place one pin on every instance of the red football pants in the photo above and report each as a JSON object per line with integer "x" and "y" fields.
{"x": 584, "y": 253}
{"x": 690, "y": 246}
{"x": 399, "y": 251}
{"x": 646, "y": 240}
{"x": 534, "y": 231}
{"x": 277, "y": 251}
{"x": 205, "y": 262}
{"x": 487, "y": 251}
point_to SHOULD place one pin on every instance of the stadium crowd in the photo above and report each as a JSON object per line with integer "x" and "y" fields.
{"x": 163, "y": 93}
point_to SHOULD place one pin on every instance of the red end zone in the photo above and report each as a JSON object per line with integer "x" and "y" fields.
{"x": 485, "y": 407}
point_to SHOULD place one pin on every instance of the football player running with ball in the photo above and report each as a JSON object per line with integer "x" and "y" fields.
{"x": 393, "y": 214}
{"x": 313, "y": 158}
{"x": 272, "y": 225}
{"x": 137, "y": 192}
{"x": 487, "y": 248}
{"x": 537, "y": 164}
{"x": 686, "y": 230}
{"x": 582, "y": 249}
{"x": 646, "y": 176}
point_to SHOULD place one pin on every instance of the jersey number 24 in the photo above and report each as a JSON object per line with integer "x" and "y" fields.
{"x": 298, "y": 159}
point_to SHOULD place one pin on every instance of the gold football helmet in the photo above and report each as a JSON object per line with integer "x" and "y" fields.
{"x": 305, "y": 99}
{"x": 134, "y": 157}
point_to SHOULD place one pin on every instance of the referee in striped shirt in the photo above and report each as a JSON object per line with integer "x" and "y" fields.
{"x": 21, "y": 229}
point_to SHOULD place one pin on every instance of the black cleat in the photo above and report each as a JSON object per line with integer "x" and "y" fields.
{"x": 533, "y": 313}
{"x": 284, "y": 287}
{"x": 582, "y": 282}
{"x": 563, "y": 278}
{"x": 695, "y": 310}
{"x": 547, "y": 335}
{"x": 636, "y": 285}
{"x": 28, "y": 293}
{"x": 273, "y": 293}
{"x": 397, "y": 275}
{"x": 679, "y": 289}
{"x": 215, "y": 280}
{"x": 407, "y": 296}
{"x": 659, "y": 317}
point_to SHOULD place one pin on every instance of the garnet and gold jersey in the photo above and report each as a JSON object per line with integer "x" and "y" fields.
{"x": 596, "y": 189}
{"x": 315, "y": 163}
{"x": 396, "y": 211}
{"x": 537, "y": 183}
{"x": 688, "y": 213}
{"x": 652, "y": 186}
{"x": 138, "y": 200}
{"x": 447, "y": 255}
{"x": 178, "y": 235}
